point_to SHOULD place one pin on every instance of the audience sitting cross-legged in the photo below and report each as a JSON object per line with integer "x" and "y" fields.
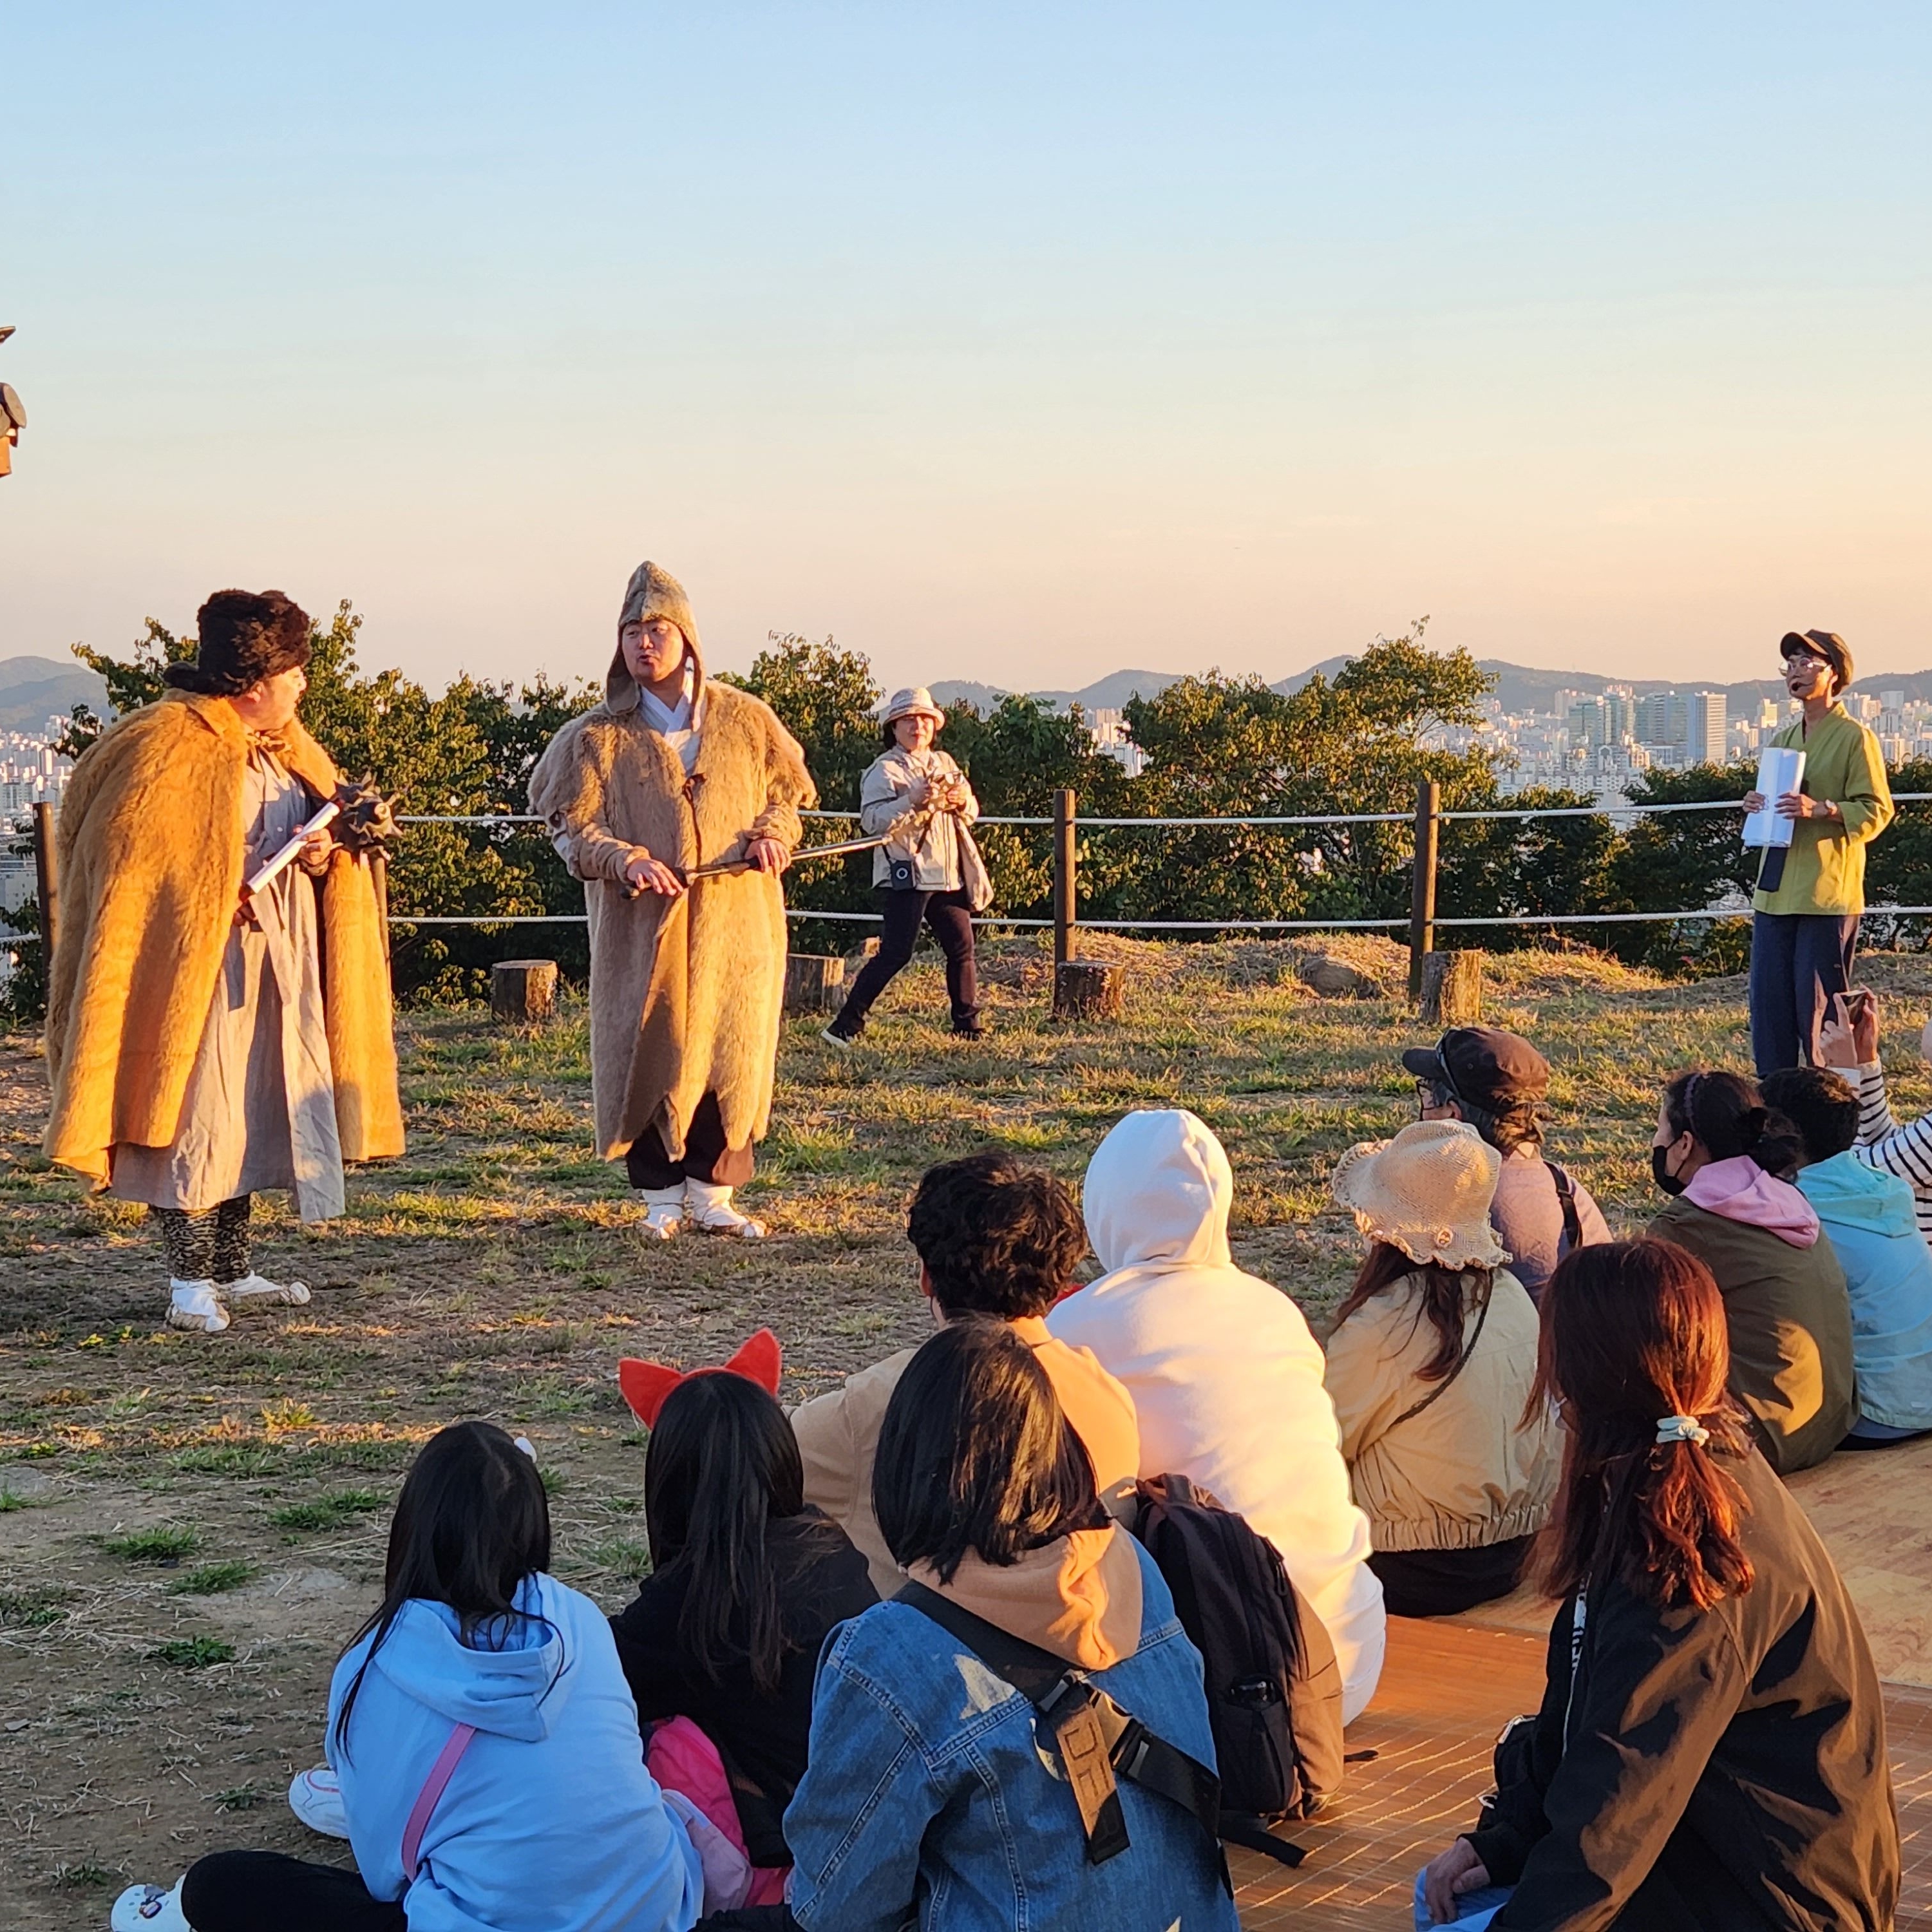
{"x": 937, "y": 1793}
{"x": 1868, "y": 1216}
{"x": 994, "y": 1238}
{"x": 1430, "y": 1365}
{"x": 721, "y": 1641}
{"x": 1496, "y": 1081}
{"x": 1225, "y": 1379}
{"x": 1728, "y": 1162}
{"x": 1710, "y": 1754}
{"x": 485, "y": 1741}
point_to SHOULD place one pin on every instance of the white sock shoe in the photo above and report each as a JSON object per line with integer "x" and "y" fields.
{"x": 259, "y": 1291}
{"x": 147, "y": 1908}
{"x": 663, "y": 1211}
{"x": 194, "y": 1305}
{"x": 708, "y": 1206}
{"x": 316, "y": 1797}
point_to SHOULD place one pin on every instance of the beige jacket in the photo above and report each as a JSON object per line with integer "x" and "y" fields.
{"x": 939, "y": 844}
{"x": 838, "y": 1437}
{"x": 1464, "y": 1473}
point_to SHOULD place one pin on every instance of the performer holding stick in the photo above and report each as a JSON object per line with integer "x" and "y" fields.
{"x": 199, "y": 1050}
{"x": 1804, "y": 928}
{"x": 654, "y": 798}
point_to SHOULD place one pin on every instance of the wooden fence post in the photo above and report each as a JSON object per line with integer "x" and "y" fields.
{"x": 1066, "y": 886}
{"x": 46, "y": 884}
{"x": 1422, "y": 888}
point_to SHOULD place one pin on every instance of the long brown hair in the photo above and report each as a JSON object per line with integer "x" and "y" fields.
{"x": 1448, "y": 1294}
{"x": 1633, "y": 1332}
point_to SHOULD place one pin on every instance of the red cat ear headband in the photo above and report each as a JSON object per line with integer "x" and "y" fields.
{"x": 646, "y": 1385}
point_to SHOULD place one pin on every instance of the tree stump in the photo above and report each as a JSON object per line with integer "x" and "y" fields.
{"x": 1452, "y": 989}
{"x": 523, "y": 991}
{"x": 815, "y": 983}
{"x": 1087, "y": 989}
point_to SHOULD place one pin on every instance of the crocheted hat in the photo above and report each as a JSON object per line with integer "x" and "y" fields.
{"x": 915, "y": 701}
{"x": 1427, "y": 1192}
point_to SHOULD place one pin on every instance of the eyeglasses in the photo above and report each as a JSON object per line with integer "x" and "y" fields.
{"x": 1806, "y": 661}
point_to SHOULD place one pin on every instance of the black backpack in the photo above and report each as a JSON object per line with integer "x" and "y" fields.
{"x": 1274, "y": 1690}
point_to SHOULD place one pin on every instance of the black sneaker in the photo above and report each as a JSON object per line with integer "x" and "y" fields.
{"x": 975, "y": 1031}
{"x": 845, "y": 1042}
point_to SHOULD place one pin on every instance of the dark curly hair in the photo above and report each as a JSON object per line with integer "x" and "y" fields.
{"x": 1823, "y": 1105}
{"x": 243, "y": 636}
{"x": 997, "y": 1238}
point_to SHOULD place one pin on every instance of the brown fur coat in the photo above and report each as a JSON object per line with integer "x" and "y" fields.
{"x": 686, "y": 995}
{"x": 150, "y": 849}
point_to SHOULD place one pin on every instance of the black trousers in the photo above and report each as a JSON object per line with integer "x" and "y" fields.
{"x": 1445, "y": 1582}
{"x": 1798, "y": 961}
{"x": 706, "y": 1156}
{"x": 268, "y": 1891}
{"x": 950, "y": 915}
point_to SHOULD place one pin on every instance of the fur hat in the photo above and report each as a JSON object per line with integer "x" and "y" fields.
{"x": 1825, "y": 644}
{"x": 1427, "y": 1192}
{"x": 915, "y": 701}
{"x": 653, "y": 592}
{"x": 244, "y": 637}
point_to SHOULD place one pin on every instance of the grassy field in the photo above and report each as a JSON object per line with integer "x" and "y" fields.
{"x": 192, "y": 1527}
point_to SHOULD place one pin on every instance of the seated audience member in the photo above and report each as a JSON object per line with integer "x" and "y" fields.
{"x": 746, "y": 1580}
{"x": 1225, "y": 1377}
{"x": 1851, "y": 1046}
{"x": 994, "y": 1238}
{"x": 1868, "y": 1216}
{"x": 1710, "y": 1755}
{"x": 936, "y": 1793}
{"x": 485, "y": 1740}
{"x": 1496, "y": 1081}
{"x": 1728, "y": 1162}
{"x": 1429, "y": 1367}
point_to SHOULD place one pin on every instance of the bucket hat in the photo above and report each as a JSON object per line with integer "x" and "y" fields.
{"x": 915, "y": 701}
{"x": 1427, "y": 1192}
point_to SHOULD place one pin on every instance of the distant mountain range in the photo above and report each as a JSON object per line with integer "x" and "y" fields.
{"x": 32, "y": 690}
{"x": 1519, "y": 687}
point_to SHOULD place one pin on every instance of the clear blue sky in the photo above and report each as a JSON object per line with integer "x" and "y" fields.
{"x": 1020, "y": 342}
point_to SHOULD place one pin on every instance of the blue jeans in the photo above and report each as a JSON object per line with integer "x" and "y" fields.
{"x": 1798, "y": 961}
{"x": 1475, "y": 1909}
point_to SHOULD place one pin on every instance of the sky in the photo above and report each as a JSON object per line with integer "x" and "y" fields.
{"x": 1021, "y": 343}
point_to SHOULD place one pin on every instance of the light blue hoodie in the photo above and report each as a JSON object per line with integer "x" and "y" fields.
{"x": 1888, "y": 1268}
{"x": 550, "y": 1823}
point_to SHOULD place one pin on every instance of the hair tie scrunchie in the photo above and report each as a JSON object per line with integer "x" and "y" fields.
{"x": 1681, "y": 1429}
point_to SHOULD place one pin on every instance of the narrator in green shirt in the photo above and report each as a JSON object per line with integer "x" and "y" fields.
{"x": 1825, "y": 870}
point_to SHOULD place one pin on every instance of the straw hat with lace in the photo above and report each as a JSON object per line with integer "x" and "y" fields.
{"x": 1427, "y": 1192}
{"x": 915, "y": 701}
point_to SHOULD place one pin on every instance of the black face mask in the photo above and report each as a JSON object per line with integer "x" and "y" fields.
{"x": 1670, "y": 1182}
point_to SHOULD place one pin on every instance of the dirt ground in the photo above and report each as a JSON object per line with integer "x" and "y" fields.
{"x": 192, "y": 1527}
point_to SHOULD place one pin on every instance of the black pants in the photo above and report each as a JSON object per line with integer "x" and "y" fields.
{"x": 1445, "y": 1582}
{"x": 706, "y": 1156}
{"x": 1798, "y": 961}
{"x": 268, "y": 1891}
{"x": 950, "y": 915}
{"x": 212, "y": 1246}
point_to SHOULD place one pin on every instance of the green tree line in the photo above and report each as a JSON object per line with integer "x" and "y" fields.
{"x": 1212, "y": 746}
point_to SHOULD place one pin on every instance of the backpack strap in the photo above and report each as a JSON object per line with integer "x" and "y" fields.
{"x": 440, "y": 1773}
{"x": 1566, "y": 1199}
{"x": 1461, "y": 1362}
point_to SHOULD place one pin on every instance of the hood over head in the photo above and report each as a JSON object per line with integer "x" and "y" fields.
{"x": 505, "y": 1680}
{"x": 1738, "y": 1190}
{"x": 653, "y": 592}
{"x": 1158, "y": 1192}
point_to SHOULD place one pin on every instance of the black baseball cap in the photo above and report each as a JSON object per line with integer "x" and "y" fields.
{"x": 1484, "y": 1065}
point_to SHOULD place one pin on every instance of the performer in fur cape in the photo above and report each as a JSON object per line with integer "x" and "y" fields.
{"x": 687, "y": 982}
{"x": 203, "y": 1043}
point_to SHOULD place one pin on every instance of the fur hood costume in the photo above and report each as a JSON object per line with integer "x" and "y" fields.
{"x": 686, "y": 993}
{"x": 146, "y": 908}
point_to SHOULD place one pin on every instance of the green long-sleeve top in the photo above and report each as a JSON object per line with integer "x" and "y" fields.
{"x": 1825, "y": 871}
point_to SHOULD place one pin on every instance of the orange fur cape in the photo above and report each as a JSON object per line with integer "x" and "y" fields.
{"x": 150, "y": 852}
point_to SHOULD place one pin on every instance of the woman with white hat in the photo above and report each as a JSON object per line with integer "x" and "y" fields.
{"x": 1430, "y": 1367}
{"x": 929, "y": 869}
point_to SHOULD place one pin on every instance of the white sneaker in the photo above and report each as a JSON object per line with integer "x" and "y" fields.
{"x": 663, "y": 1212}
{"x": 708, "y": 1206}
{"x": 147, "y": 1908}
{"x": 194, "y": 1305}
{"x": 316, "y": 1797}
{"x": 258, "y": 1290}
{"x": 845, "y": 1042}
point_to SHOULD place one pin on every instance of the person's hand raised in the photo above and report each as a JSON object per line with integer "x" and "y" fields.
{"x": 1849, "y": 1038}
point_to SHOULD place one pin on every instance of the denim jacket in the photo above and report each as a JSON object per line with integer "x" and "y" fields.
{"x": 929, "y": 1798}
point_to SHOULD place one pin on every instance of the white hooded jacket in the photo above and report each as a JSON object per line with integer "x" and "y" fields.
{"x": 1225, "y": 1376}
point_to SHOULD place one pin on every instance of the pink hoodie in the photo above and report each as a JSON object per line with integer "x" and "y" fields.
{"x": 1738, "y": 1190}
